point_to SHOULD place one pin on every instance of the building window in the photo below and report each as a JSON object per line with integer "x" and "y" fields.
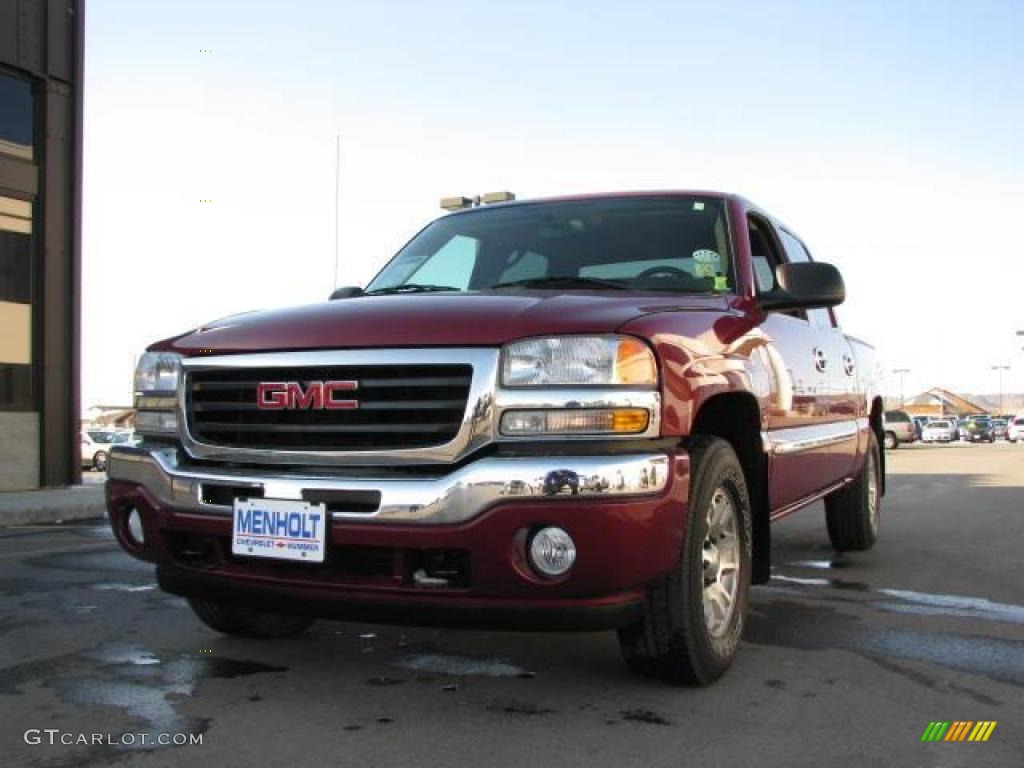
{"x": 15, "y": 304}
{"x": 16, "y": 123}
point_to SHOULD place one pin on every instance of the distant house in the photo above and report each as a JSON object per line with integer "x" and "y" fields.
{"x": 941, "y": 402}
{"x": 110, "y": 416}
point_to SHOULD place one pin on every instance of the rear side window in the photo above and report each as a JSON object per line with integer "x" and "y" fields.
{"x": 895, "y": 416}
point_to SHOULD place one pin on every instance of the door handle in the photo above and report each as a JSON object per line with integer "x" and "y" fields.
{"x": 820, "y": 360}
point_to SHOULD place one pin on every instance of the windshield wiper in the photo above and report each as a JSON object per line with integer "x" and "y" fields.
{"x": 564, "y": 281}
{"x": 414, "y": 288}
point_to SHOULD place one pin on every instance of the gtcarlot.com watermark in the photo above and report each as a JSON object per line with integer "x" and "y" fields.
{"x": 54, "y": 736}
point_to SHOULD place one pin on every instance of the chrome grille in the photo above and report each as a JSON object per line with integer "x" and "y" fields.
{"x": 399, "y": 406}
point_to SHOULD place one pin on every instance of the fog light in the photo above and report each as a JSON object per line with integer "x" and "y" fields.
{"x": 552, "y": 551}
{"x": 135, "y": 530}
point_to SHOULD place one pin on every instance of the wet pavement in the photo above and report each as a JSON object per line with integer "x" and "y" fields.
{"x": 846, "y": 659}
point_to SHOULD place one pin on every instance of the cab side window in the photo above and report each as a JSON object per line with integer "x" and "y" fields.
{"x": 797, "y": 253}
{"x": 764, "y": 255}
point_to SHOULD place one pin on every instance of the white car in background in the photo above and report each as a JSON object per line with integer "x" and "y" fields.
{"x": 941, "y": 431}
{"x": 96, "y": 445}
{"x": 1015, "y": 429}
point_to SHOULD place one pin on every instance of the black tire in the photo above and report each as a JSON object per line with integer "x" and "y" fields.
{"x": 852, "y": 520}
{"x": 673, "y": 642}
{"x": 99, "y": 461}
{"x": 890, "y": 442}
{"x": 248, "y": 622}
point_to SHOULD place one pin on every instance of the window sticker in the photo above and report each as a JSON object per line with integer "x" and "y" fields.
{"x": 698, "y": 206}
{"x": 706, "y": 263}
{"x": 721, "y": 283}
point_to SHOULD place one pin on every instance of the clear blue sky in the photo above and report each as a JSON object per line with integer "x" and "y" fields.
{"x": 887, "y": 133}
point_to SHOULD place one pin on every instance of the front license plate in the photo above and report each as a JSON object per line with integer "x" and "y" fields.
{"x": 280, "y": 529}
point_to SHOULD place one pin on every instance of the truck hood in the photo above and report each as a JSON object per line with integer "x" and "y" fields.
{"x": 433, "y": 319}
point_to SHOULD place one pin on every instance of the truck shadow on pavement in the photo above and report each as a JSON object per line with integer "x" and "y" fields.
{"x": 910, "y": 608}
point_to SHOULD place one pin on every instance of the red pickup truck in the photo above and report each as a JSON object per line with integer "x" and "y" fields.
{"x": 574, "y": 413}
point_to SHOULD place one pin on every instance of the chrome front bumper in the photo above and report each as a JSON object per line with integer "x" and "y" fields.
{"x": 452, "y": 498}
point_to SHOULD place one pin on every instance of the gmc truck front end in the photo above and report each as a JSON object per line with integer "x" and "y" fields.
{"x": 520, "y": 487}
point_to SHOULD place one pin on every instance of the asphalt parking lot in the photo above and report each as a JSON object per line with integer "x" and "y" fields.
{"x": 846, "y": 659}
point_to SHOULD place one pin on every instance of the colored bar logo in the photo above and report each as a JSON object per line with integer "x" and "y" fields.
{"x": 958, "y": 730}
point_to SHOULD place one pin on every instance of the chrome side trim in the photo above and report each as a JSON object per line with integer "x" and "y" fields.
{"x": 807, "y": 500}
{"x": 453, "y": 498}
{"x": 790, "y": 440}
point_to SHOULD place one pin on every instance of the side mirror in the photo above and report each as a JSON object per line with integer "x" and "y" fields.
{"x": 806, "y": 285}
{"x": 346, "y": 292}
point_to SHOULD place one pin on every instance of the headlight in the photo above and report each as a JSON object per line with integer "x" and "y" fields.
{"x": 157, "y": 372}
{"x": 578, "y": 360}
{"x": 156, "y": 387}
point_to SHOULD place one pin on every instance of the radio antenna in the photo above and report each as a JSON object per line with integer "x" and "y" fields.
{"x": 337, "y": 177}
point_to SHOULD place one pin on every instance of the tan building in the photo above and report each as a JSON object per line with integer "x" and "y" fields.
{"x": 937, "y": 402}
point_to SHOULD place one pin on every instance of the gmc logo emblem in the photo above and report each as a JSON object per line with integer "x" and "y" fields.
{"x": 316, "y": 395}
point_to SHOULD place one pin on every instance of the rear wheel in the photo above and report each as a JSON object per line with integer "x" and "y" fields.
{"x": 247, "y": 622}
{"x": 889, "y": 441}
{"x": 695, "y": 615}
{"x": 853, "y": 512}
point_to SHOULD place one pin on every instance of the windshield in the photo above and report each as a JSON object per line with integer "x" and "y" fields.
{"x": 107, "y": 437}
{"x": 644, "y": 243}
{"x": 939, "y": 425}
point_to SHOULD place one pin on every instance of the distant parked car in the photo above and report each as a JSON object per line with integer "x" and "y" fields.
{"x": 96, "y": 445}
{"x": 1015, "y": 431}
{"x": 977, "y": 431}
{"x": 999, "y": 428}
{"x": 939, "y": 431}
{"x": 897, "y": 428}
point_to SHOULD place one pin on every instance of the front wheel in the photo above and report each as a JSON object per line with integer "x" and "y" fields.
{"x": 695, "y": 615}
{"x": 889, "y": 441}
{"x": 852, "y": 513}
{"x": 247, "y": 622}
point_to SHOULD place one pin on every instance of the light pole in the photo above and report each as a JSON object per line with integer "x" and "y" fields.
{"x": 901, "y": 372}
{"x": 1000, "y": 368}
